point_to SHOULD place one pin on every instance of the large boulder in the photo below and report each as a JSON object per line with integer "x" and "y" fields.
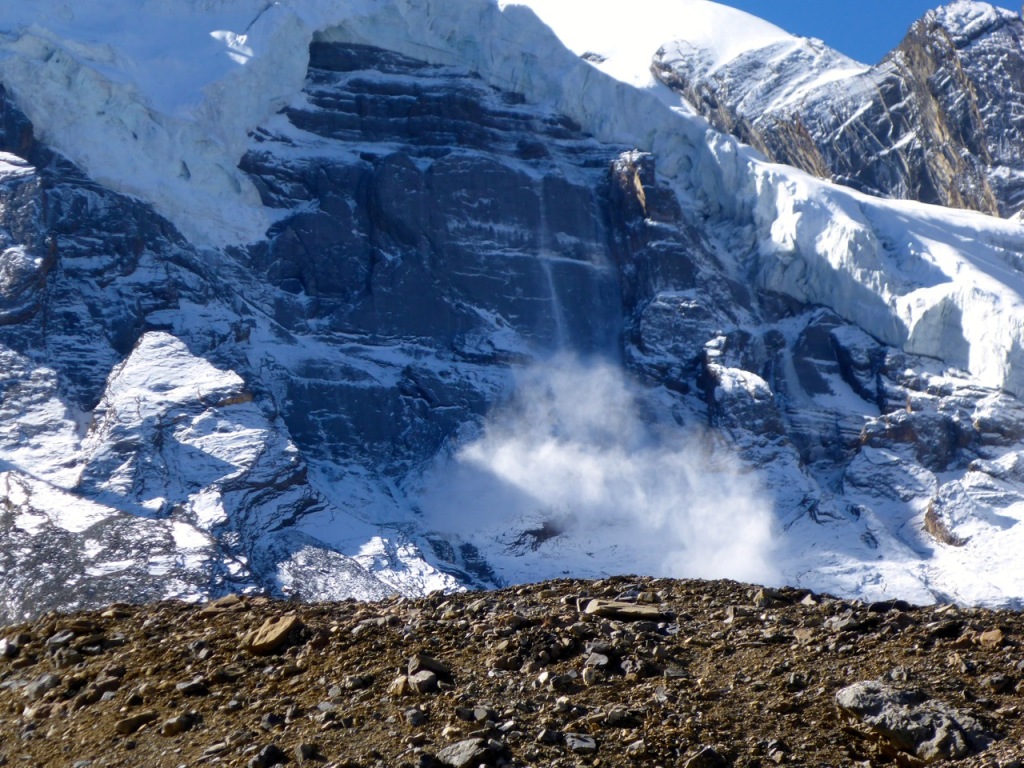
{"x": 913, "y": 723}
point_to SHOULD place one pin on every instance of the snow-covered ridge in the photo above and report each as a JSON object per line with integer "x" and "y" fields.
{"x": 156, "y": 100}
{"x": 159, "y": 102}
{"x": 965, "y": 20}
{"x": 721, "y": 32}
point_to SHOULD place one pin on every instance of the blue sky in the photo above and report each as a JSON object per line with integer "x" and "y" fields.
{"x": 865, "y": 30}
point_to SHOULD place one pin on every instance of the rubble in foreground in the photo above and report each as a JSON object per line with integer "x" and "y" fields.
{"x": 624, "y": 671}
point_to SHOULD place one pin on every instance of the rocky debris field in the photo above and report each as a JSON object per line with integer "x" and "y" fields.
{"x": 625, "y": 671}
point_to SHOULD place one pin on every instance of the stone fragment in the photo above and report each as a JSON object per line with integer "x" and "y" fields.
{"x": 707, "y": 757}
{"x": 547, "y": 736}
{"x": 613, "y": 609}
{"x": 272, "y": 635}
{"x": 421, "y": 661}
{"x": 40, "y": 712}
{"x": 399, "y": 686}
{"x": 506, "y": 662}
{"x": 414, "y": 717}
{"x": 79, "y": 626}
{"x": 803, "y": 635}
{"x": 475, "y": 714}
{"x": 555, "y": 682}
{"x": 86, "y": 698}
{"x": 998, "y": 683}
{"x": 177, "y": 725}
{"x": 468, "y": 753}
{"x": 357, "y": 682}
{"x": 767, "y": 598}
{"x": 116, "y": 612}
{"x": 271, "y": 720}
{"x": 40, "y": 686}
{"x": 61, "y": 639}
{"x": 228, "y": 674}
{"x": 193, "y": 687}
{"x": 636, "y": 749}
{"x": 845, "y": 622}
{"x": 617, "y": 716}
{"x": 580, "y": 743}
{"x": 929, "y": 730}
{"x": 8, "y": 649}
{"x": 423, "y": 682}
{"x": 961, "y": 665}
{"x": 993, "y": 638}
{"x": 598, "y": 660}
{"x": 307, "y": 751}
{"x": 739, "y": 616}
{"x": 134, "y": 722}
{"x": 269, "y": 756}
{"x": 226, "y": 604}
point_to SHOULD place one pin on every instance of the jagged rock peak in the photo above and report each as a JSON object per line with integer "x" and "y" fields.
{"x": 934, "y": 121}
{"x": 967, "y": 20}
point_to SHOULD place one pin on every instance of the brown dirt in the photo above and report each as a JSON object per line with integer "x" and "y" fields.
{"x": 750, "y": 674}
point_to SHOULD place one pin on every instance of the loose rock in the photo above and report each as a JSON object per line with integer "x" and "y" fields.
{"x": 707, "y": 757}
{"x": 929, "y": 730}
{"x": 177, "y": 725}
{"x": 580, "y": 743}
{"x": 133, "y": 723}
{"x": 272, "y": 635}
{"x": 467, "y": 754}
{"x": 611, "y": 609}
{"x": 424, "y": 681}
{"x": 269, "y": 756}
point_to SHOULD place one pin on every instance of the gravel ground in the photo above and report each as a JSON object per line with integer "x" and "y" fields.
{"x": 620, "y": 672}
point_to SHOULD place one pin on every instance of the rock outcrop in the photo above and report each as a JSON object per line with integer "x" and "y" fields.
{"x": 933, "y": 121}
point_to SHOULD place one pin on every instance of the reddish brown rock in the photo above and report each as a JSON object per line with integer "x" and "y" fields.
{"x": 272, "y": 635}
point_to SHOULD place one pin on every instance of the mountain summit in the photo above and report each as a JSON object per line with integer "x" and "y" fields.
{"x": 935, "y": 121}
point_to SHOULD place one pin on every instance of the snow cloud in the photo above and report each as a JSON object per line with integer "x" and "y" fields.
{"x": 572, "y": 476}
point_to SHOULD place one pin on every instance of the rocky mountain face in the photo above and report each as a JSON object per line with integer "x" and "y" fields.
{"x": 433, "y": 231}
{"x": 622, "y": 671}
{"x": 937, "y": 120}
{"x": 490, "y": 338}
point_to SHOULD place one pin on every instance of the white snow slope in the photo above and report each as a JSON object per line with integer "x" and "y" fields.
{"x": 155, "y": 98}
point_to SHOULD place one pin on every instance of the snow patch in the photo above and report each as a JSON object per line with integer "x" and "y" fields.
{"x": 722, "y": 32}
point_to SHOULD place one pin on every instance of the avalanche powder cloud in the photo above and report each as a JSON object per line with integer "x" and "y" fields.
{"x": 572, "y": 460}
